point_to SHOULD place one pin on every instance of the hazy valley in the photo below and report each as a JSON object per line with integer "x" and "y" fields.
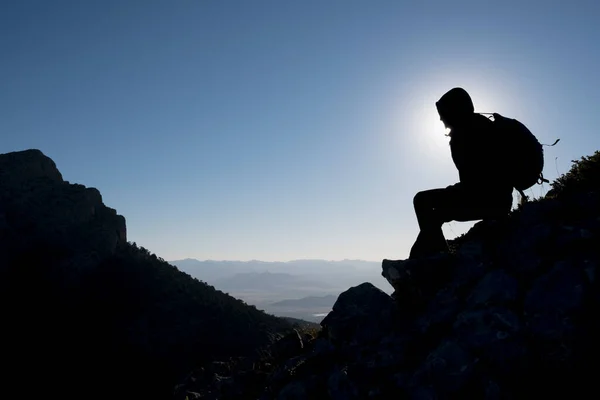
{"x": 304, "y": 289}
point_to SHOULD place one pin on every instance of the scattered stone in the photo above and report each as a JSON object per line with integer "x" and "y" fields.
{"x": 496, "y": 288}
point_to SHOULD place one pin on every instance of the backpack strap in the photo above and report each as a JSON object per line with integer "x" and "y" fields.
{"x": 542, "y": 179}
{"x": 524, "y": 199}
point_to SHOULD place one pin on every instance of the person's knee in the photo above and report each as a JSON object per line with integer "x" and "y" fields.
{"x": 419, "y": 199}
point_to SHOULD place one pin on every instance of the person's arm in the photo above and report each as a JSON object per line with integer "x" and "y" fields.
{"x": 469, "y": 155}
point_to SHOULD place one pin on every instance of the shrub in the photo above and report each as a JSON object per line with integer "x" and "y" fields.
{"x": 584, "y": 176}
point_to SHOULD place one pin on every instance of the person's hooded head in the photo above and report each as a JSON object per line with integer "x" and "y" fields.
{"x": 455, "y": 107}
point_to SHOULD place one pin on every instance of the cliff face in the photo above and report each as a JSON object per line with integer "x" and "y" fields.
{"x": 85, "y": 314}
{"x": 39, "y": 209}
{"x": 512, "y": 313}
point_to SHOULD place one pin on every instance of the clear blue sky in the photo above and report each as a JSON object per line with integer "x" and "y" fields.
{"x": 278, "y": 130}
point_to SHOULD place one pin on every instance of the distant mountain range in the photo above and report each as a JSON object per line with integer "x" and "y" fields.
{"x": 303, "y": 289}
{"x": 321, "y": 273}
{"x": 210, "y": 269}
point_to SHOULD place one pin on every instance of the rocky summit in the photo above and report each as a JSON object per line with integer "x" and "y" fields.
{"x": 39, "y": 208}
{"x": 512, "y": 312}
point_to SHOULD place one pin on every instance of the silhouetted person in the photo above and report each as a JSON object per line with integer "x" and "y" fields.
{"x": 482, "y": 191}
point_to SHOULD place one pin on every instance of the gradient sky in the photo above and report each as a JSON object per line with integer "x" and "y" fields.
{"x": 279, "y": 130}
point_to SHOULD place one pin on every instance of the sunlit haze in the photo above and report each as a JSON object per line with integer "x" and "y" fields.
{"x": 281, "y": 130}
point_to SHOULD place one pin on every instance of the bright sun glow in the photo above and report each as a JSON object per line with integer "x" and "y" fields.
{"x": 431, "y": 131}
{"x": 416, "y": 119}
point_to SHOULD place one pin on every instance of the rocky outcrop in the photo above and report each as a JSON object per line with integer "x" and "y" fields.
{"x": 512, "y": 312}
{"x": 39, "y": 209}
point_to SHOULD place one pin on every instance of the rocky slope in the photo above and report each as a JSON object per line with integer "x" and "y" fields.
{"x": 512, "y": 313}
{"x": 85, "y": 313}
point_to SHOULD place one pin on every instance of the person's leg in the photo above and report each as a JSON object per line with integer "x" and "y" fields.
{"x": 431, "y": 238}
{"x": 428, "y": 242}
{"x": 426, "y": 204}
{"x": 453, "y": 203}
{"x": 475, "y": 204}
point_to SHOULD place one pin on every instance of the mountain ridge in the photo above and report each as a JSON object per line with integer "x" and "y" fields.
{"x": 274, "y": 261}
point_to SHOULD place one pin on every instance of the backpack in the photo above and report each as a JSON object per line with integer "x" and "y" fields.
{"x": 523, "y": 151}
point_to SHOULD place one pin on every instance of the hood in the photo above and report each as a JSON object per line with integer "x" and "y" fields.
{"x": 455, "y": 105}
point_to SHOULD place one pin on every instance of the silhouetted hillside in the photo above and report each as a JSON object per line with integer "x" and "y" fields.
{"x": 511, "y": 314}
{"x": 87, "y": 314}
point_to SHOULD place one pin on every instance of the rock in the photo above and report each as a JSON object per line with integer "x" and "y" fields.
{"x": 288, "y": 346}
{"x": 397, "y": 272}
{"x": 220, "y": 368}
{"x": 372, "y": 369}
{"x": 40, "y": 210}
{"x": 540, "y": 212}
{"x": 508, "y": 357}
{"x": 447, "y": 369}
{"x": 525, "y": 250}
{"x": 422, "y": 393}
{"x": 496, "y": 288}
{"x": 571, "y": 239}
{"x": 323, "y": 346}
{"x": 360, "y": 314}
{"x": 339, "y": 386}
{"x": 188, "y": 395}
{"x": 471, "y": 249}
{"x": 293, "y": 391}
{"x": 417, "y": 280}
{"x": 493, "y": 334}
{"x": 482, "y": 328}
{"x": 468, "y": 272}
{"x": 560, "y": 291}
{"x": 424, "y": 270}
{"x": 27, "y": 165}
{"x": 492, "y": 391}
{"x": 584, "y": 205}
{"x": 591, "y": 272}
{"x": 442, "y": 310}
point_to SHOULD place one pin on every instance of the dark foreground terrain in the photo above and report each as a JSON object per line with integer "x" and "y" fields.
{"x": 511, "y": 313}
